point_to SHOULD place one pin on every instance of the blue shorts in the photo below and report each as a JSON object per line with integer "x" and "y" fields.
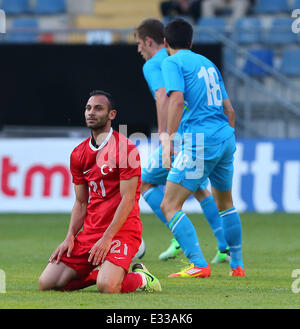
{"x": 193, "y": 168}
{"x": 154, "y": 173}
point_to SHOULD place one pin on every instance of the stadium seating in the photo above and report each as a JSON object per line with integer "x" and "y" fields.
{"x": 49, "y": 7}
{"x": 280, "y": 32}
{"x": 229, "y": 56}
{"x": 265, "y": 55}
{"x": 290, "y": 62}
{"x": 296, "y": 4}
{"x": 15, "y": 7}
{"x": 118, "y": 14}
{"x": 248, "y": 30}
{"x": 167, "y": 19}
{"x": 217, "y": 24}
{"x": 271, "y": 6}
{"x": 24, "y": 37}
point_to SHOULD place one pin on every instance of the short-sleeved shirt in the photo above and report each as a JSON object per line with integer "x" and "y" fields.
{"x": 202, "y": 85}
{"x": 152, "y": 71}
{"x": 102, "y": 169}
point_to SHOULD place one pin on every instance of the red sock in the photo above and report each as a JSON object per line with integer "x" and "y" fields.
{"x": 132, "y": 281}
{"x": 80, "y": 284}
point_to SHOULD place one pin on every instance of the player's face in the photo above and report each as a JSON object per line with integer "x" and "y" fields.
{"x": 97, "y": 113}
{"x": 143, "y": 48}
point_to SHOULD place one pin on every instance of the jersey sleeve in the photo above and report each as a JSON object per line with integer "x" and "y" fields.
{"x": 222, "y": 86}
{"x": 172, "y": 75}
{"x": 153, "y": 77}
{"x": 76, "y": 170}
{"x": 129, "y": 161}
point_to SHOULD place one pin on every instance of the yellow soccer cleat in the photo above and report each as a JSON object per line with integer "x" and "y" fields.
{"x": 192, "y": 272}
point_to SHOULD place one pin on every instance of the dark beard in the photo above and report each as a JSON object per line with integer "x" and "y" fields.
{"x": 97, "y": 128}
{"x": 99, "y": 125}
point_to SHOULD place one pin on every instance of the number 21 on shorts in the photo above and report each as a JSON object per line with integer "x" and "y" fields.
{"x": 116, "y": 247}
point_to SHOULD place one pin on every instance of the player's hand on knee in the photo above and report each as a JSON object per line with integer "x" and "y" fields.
{"x": 99, "y": 251}
{"x": 67, "y": 244}
{"x": 56, "y": 254}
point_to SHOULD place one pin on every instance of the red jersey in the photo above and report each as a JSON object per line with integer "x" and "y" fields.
{"x": 103, "y": 168}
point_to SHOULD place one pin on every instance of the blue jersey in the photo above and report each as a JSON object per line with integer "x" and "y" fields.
{"x": 152, "y": 71}
{"x": 202, "y": 85}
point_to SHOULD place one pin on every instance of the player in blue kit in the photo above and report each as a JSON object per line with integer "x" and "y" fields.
{"x": 150, "y": 36}
{"x": 196, "y": 97}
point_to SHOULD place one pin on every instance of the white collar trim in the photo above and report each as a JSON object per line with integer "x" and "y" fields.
{"x": 103, "y": 143}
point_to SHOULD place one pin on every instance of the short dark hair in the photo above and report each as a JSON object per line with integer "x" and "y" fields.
{"x": 179, "y": 34}
{"x": 107, "y": 95}
{"x": 152, "y": 28}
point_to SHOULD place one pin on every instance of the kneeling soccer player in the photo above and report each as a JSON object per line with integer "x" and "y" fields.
{"x": 105, "y": 229}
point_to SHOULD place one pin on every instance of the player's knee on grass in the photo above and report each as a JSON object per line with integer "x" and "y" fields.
{"x": 109, "y": 286}
{"x": 45, "y": 283}
{"x": 49, "y": 284}
{"x": 56, "y": 276}
{"x": 46, "y": 280}
{"x": 110, "y": 278}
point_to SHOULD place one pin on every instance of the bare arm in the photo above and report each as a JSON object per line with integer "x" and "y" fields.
{"x": 102, "y": 246}
{"x": 175, "y": 110}
{"x": 162, "y": 102}
{"x": 76, "y": 222}
{"x": 229, "y": 112}
{"x": 79, "y": 209}
{"x": 128, "y": 192}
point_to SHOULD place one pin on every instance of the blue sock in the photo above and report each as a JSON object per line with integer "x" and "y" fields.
{"x": 186, "y": 235}
{"x": 233, "y": 235}
{"x": 211, "y": 213}
{"x": 154, "y": 196}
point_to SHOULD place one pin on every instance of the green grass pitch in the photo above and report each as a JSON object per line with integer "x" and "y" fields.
{"x": 270, "y": 248}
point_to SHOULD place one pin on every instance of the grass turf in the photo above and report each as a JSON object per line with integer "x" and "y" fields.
{"x": 270, "y": 248}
